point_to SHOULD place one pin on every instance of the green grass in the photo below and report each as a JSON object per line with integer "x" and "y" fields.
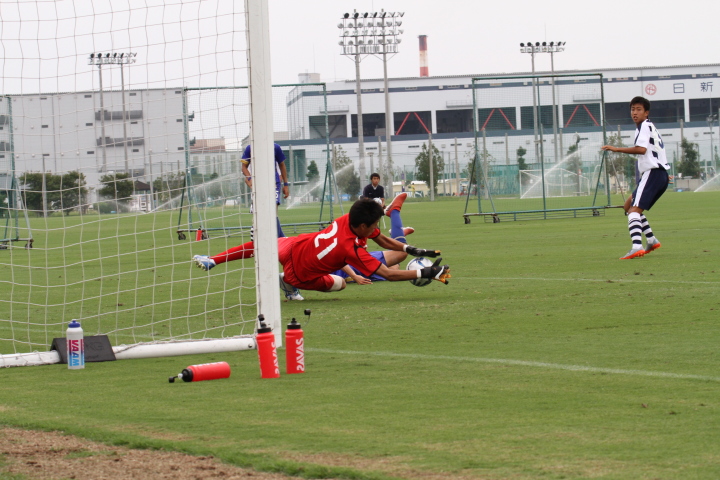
{"x": 545, "y": 357}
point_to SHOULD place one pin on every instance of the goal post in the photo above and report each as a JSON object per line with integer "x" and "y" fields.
{"x": 266, "y": 245}
{"x": 94, "y": 162}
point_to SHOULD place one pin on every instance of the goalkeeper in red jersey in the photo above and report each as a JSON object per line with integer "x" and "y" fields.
{"x": 309, "y": 260}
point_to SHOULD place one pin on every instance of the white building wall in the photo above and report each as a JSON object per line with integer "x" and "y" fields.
{"x": 63, "y": 130}
{"x": 454, "y": 92}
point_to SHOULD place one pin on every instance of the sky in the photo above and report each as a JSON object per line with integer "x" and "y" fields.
{"x": 44, "y": 44}
{"x": 481, "y": 37}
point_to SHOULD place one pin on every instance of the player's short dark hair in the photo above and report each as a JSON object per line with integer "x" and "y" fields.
{"x": 641, "y": 101}
{"x": 365, "y": 211}
{"x": 374, "y": 175}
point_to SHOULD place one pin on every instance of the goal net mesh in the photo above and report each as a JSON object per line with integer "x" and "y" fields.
{"x": 121, "y": 131}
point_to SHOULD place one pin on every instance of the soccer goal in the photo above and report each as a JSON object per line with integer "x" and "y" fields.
{"x": 213, "y": 176}
{"x": 12, "y": 228}
{"x": 537, "y": 148}
{"x": 107, "y": 135}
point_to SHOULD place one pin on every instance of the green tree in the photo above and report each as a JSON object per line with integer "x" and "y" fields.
{"x": 422, "y": 163}
{"x": 313, "y": 174}
{"x": 347, "y": 179}
{"x": 689, "y": 166}
{"x": 117, "y": 186}
{"x": 72, "y": 193}
{"x": 169, "y": 186}
{"x": 32, "y": 188}
{"x": 3, "y": 204}
{"x": 520, "y": 152}
{"x": 62, "y": 192}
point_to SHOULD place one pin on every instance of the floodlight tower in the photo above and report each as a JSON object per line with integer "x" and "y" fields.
{"x": 532, "y": 50}
{"x": 371, "y": 33}
{"x": 385, "y": 36}
{"x": 551, "y": 48}
{"x": 353, "y": 42}
{"x": 112, "y": 58}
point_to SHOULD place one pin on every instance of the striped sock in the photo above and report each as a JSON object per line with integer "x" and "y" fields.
{"x": 646, "y": 230}
{"x": 635, "y": 228}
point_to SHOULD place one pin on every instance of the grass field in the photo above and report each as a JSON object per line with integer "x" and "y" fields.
{"x": 545, "y": 357}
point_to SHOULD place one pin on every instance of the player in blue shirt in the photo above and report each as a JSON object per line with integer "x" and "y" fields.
{"x": 654, "y": 179}
{"x": 281, "y": 176}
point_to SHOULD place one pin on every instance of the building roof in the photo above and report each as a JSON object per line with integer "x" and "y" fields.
{"x": 537, "y": 72}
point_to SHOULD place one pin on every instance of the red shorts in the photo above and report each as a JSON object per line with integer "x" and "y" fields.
{"x": 321, "y": 284}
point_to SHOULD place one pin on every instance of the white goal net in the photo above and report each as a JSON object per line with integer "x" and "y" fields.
{"x": 102, "y": 132}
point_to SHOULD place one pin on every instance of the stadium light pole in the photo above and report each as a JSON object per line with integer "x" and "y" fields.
{"x": 384, "y": 35}
{"x": 551, "y": 48}
{"x": 711, "y": 122}
{"x": 351, "y": 41}
{"x": 113, "y": 58}
{"x": 532, "y": 50}
{"x": 371, "y": 33}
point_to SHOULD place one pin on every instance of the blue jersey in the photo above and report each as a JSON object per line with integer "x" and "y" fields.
{"x": 374, "y": 277}
{"x": 279, "y": 158}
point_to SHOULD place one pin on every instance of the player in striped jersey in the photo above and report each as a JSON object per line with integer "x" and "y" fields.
{"x": 653, "y": 168}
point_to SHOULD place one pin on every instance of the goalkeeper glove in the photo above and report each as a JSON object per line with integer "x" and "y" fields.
{"x": 420, "y": 252}
{"x": 438, "y": 272}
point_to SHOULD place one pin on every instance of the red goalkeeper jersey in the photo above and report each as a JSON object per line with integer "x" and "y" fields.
{"x": 321, "y": 253}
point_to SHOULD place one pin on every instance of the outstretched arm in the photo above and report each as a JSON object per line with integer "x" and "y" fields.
{"x": 359, "y": 279}
{"x": 392, "y": 244}
{"x": 437, "y": 272}
{"x": 630, "y": 150}
{"x": 388, "y": 243}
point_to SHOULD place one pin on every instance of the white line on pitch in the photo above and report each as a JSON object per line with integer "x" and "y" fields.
{"x": 602, "y": 280}
{"x": 524, "y": 363}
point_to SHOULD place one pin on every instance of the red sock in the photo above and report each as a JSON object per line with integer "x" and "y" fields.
{"x": 246, "y": 250}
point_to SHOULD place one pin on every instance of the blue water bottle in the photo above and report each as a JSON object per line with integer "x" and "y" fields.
{"x": 75, "y": 346}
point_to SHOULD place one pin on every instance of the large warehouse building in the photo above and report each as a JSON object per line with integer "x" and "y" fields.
{"x": 685, "y": 101}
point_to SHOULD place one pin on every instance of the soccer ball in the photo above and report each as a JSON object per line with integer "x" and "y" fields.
{"x": 418, "y": 264}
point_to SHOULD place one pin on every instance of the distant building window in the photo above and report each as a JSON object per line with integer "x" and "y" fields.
{"x": 88, "y": 124}
{"x": 412, "y": 123}
{"x": 136, "y": 149}
{"x": 88, "y": 96}
{"x": 181, "y": 148}
{"x": 46, "y": 154}
{"x": 44, "y": 126}
{"x": 133, "y": 123}
{"x": 452, "y": 121}
{"x": 179, "y": 120}
{"x": 581, "y": 115}
{"x": 90, "y": 152}
{"x": 43, "y": 98}
{"x": 178, "y": 91}
{"x": 499, "y": 118}
{"x": 133, "y": 94}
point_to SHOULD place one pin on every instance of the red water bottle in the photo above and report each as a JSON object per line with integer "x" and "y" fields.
{"x": 294, "y": 348}
{"x": 205, "y": 371}
{"x": 267, "y": 353}
{"x": 200, "y": 235}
